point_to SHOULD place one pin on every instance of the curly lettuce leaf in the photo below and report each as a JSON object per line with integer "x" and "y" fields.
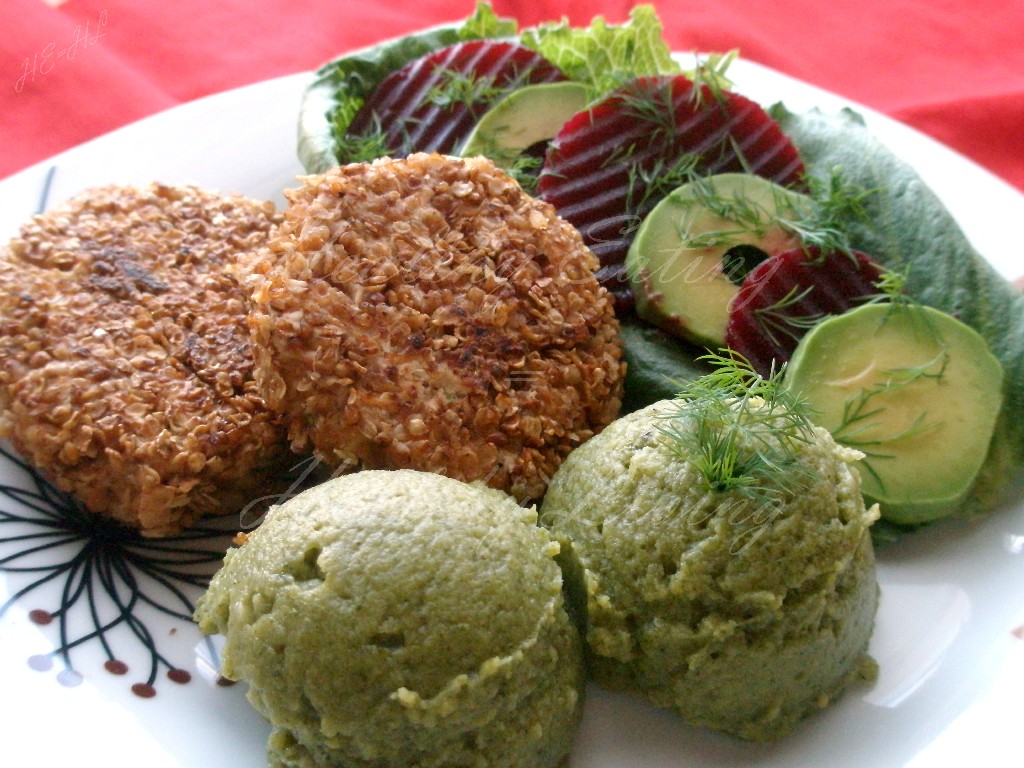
{"x": 486, "y": 23}
{"x": 602, "y": 56}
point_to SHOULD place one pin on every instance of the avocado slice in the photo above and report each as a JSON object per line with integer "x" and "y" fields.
{"x": 679, "y": 264}
{"x": 915, "y": 390}
{"x": 524, "y": 117}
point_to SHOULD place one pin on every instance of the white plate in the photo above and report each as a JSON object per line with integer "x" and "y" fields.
{"x": 950, "y": 631}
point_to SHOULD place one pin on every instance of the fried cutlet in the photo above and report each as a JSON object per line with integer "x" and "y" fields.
{"x": 126, "y": 371}
{"x": 426, "y": 313}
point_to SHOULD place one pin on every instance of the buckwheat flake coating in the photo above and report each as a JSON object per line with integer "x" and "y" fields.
{"x": 125, "y": 359}
{"x": 426, "y": 313}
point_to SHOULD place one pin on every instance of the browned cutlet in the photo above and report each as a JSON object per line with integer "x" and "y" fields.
{"x": 126, "y": 371}
{"x": 426, "y": 313}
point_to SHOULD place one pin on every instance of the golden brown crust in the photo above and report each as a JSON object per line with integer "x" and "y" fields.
{"x": 125, "y": 361}
{"x": 426, "y": 313}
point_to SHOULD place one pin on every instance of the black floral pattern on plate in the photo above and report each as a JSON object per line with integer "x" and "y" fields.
{"x": 110, "y": 578}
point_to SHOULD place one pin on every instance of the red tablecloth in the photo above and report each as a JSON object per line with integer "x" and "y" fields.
{"x": 952, "y": 69}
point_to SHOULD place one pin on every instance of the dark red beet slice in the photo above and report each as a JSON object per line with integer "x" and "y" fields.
{"x": 787, "y": 293}
{"x": 432, "y": 103}
{"x": 601, "y": 170}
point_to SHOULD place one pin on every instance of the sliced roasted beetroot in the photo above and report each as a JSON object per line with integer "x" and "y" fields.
{"x": 432, "y": 103}
{"x": 785, "y": 295}
{"x": 610, "y": 164}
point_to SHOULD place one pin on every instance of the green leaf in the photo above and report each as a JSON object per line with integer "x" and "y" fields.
{"x": 486, "y": 23}
{"x": 603, "y": 55}
{"x": 343, "y": 84}
{"x": 908, "y": 229}
{"x": 656, "y": 363}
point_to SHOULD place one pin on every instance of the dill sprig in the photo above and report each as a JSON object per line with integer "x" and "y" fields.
{"x": 653, "y": 104}
{"x": 892, "y": 293}
{"x": 356, "y": 148}
{"x": 819, "y": 220}
{"x": 461, "y": 89}
{"x": 742, "y": 430}
{"x": 835, "y": 204}
{"x": 749, "y": 216}
{"x": 362, "y": 148}
{"x": 892, "y": 290}
{"x": 858, "y": 427}
{"x": 648, "y": 185}
{"x": 375, "y": 142}
{"x": 710, "y": 76}
{"x": 525, "y": 169}
{"x": 892, "y": 285}
{"x": 523, "y": 165}
{"x": 776, "y": 319}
